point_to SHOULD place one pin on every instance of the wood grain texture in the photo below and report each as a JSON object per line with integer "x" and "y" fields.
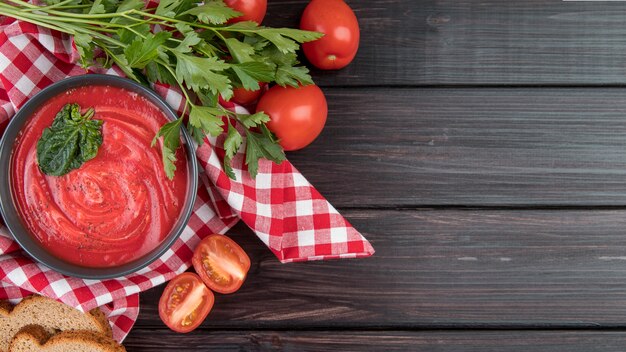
{"x": 496, "y": 147}
{"x": 528, "y": 185}
{"x": 387, "y": 341}
{"x": 440, "y": 268}
{"x": 478, "y": 42}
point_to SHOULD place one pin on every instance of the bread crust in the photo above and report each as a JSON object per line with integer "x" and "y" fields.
{"x": 37, "y": 339}
{"x": 51, "y": 315}
{"x": 102, "y": 320}
{"x": 35, "y": 332}
{"x": 5, "y": 308}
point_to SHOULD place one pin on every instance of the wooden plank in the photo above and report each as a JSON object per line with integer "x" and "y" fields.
{"x": 496, "y": 147}
{"x": 478, "y": 42}
{"x": 440, "y": 268}
{"x": 388, "y": 341}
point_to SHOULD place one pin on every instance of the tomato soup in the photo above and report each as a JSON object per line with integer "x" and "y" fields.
{"x": 116, "y": 207}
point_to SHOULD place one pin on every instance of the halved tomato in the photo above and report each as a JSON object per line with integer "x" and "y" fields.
{"x": 221, "y": 263}
{"x": 185, "y": 303}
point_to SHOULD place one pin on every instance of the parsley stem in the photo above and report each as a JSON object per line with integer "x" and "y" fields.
{"x": 130, "y": 28}
{"x": 66, "y": 7}
{"x": 25, "y": 4}
{"x": 96, "y": 34}
{"x": 54, "y": 6}
{"x": 162, "y": 18}
{"x": 19, "y": 16}
{"x": 83, "y": 15}
{"x": 116, "y": 60}
{"x": 101, "y": 26}
{"x": 70, "y": 20}
{"x": 219, "y": 35}
{"x": 173, "y": 20}
{"x": 58, "y": 24}
{"x": 185, "y": 108}
{"x": 180, "y": 85}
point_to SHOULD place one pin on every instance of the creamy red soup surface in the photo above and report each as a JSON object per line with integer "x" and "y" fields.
{"x": 116, "y": 207}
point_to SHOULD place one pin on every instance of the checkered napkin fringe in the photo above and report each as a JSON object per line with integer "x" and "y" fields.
{"x": 280, "y": 205}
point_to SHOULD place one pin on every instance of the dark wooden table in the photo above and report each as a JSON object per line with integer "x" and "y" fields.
{"x": 481, "y": 147}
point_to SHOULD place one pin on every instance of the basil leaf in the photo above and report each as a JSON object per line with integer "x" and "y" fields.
{"x": 90, "y": 139}
{"x": 72, "y": 140}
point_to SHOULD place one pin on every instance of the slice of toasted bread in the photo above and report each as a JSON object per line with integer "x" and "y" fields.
{"x": 33, "y": 338}
{"x": 51, "y": 315}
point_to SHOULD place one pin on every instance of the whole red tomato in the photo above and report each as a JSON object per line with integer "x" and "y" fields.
{"x": 243, "y": 96}
{"x": 253, "y": 10}
{"x": 297, "y": 115}
{"x": 340, "y": 42}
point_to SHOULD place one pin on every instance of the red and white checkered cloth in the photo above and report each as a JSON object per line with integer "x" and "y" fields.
{"x": 280, "y": 205}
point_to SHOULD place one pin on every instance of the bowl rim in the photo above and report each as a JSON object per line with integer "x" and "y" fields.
{"x": 9, "y": 212}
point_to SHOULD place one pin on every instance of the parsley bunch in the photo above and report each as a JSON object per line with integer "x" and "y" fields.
{"x": 186, "y": 44}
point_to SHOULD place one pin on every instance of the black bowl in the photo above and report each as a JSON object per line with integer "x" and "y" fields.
{"x": 9, "y": 212}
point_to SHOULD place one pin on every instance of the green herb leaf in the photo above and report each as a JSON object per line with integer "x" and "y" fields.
{"x": 205, "y": 49}
{"x": 110, "y": 5}
{"x": 261, "y": 145}
{"x": 231, "y": 146}
{"x": 167, "y": 8}
{"x": 196, "y": 133}
{"x": 127, "y": 5}
{"x": 171, "y": 141}
{"x": 293, "y": 76}
{"x": 283, "y": 44}
{"x": 253, "y": 120}
{"x": 169, "y": 162}
{"x": 72, "y": 140}
{"x": 251, "y": 73}
{"x": 298, "y": 35}
{"x": 285, "y": 38}
{"x": 191, "y": 38}
{"x": 200, "y": 73}
{"x": 243, "y": 26}
{"x": 213, "y": 12}
{"x": 170, "y": 133}
{"x": 207, "y": 97}
{"x": 126, "y": 36}
{"x": 142, "y": 51}
{"x": 287, "y": 70}
{"x": 84, "y": 45}
{"x": 207, "y": 118}
{"x": 121, "y": 61}
{"x": 97, "y": 7}
{"x": 241, "y": 52}
{"x": 157, "y": 73}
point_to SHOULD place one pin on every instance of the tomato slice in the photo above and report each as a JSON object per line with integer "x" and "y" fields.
{"x": 185, "y": 303}
{"x": 221, "y": 263}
